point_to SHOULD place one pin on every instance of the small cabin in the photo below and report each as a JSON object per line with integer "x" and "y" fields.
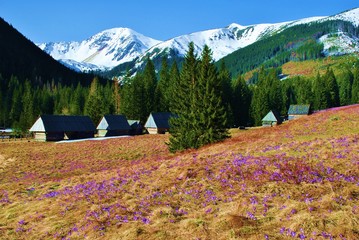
{"x": 158, "y": 123}
{"x": 59, "y": 127}
{"x": 6, "y": 133}
{"x": 298, "y": 111}
{"x": 113, "y": 125}
{"x": 271, "y": 119}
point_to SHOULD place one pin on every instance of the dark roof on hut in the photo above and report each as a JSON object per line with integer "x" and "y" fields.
{"x": 60, "y": 123}
{"x": 159, "y": 120}
{"x": 114, "y": 122}
{"x": 299, "y": 109}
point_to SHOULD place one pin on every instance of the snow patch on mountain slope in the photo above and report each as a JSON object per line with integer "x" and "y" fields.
{"x": 339, "y": 43}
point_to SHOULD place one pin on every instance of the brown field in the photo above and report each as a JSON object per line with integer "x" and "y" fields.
{"x": 299, "y": 180}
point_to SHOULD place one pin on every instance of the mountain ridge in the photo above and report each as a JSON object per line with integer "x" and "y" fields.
{"x": 103, "y": 50}
{"x": 129, "y": 50}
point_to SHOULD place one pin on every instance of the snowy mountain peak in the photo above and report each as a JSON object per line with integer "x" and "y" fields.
{"x": 103, "y": 50}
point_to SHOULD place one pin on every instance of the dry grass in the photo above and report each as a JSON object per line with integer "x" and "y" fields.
{"x": 296, "y": 180}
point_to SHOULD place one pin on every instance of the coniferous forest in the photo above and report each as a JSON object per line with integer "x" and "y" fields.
{"x": 190, "y": 87}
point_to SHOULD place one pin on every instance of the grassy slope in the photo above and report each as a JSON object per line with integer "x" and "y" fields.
{"x": 310, "y": 68}
{"x": 296, "y": 180}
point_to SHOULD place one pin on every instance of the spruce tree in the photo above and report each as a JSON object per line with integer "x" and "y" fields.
{"x": 174, "y": 78}
{"x": 345, "y": 88}
{"x": 182, "y": 132}
{"x": 94, "y": 107}
{"x": 226, "y": 86}
{"x": 162, "y": 89}
{"x": 27, "y": 114}
{"x": 321, "y": 97}
{"x": 210, "y": 112}
{"x": 355, "y": 87}
{"x": 332, "y": 88}
{"x": 116, "y": 96}
{"x": 198, "y": 104}
{"x": 241, "y": 100}
{"x": 149, "y": 87}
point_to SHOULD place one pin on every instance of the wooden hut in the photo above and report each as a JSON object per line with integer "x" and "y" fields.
{"x": 113, "y": 125}
{"x": 158, "y": 123}
{"x": 58, "y": 127}
{"x": 298, "y": 111}
{"x": 271, "y": 119}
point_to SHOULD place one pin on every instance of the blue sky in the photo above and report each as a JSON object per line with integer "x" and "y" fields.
{"x": 76, "y": 20}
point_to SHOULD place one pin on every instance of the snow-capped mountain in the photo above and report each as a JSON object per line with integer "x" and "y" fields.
{"x": 101, "y": 51}
{"x": 226, "y": 40}
{"x": 113, "y": 47}
{"x": 223, "y": 41}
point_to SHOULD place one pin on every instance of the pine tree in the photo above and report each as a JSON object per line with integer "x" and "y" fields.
{"x": 345, "y": 88}
{"x": 14, "y": 96}
{"x": 241, "y": 101}
{"x": 77, "y": 101}
{"x": 198, "y": 104}
{"x": 182, "y": 132}
{"x": 303, "y": 91}
{"x": 149, "y": 87}
{"x": 226, "y": 86}
{"x": 210, "y": 112}
{"x": 174, "y": 78}
{"x": 116, "y": 96}
{"x": 162, "y": 89}
{"x": 321, "y": 97}
{"x": 27, "y": 114}
{"x": 94, "y": 107}
{"x": 355, "y": 87}
{"x": 332, "y": 88}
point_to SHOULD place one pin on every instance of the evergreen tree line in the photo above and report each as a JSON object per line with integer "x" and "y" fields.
{"x": 205, "y": 98}
{"x": 245, "y": 103}
{"x": 21, "y": 102}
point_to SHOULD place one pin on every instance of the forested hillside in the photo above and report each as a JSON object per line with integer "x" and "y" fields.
{"x": 297, "y": 43}
{"x": 33, "y": 83}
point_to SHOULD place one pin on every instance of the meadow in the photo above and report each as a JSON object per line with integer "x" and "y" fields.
{"x": 299, "y": 180}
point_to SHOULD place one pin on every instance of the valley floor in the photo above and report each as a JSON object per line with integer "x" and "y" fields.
{"x": 296, "y": 180}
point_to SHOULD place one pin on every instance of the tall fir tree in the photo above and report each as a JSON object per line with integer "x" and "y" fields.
{"x": 332, "y": 88}
{"x": 355, "y": 86}
{"x": 162, "y": 89}
{"x": 174, "y": 78}
{"x": 320, "y": 100}
{"x": 345, "y": 87}
{"x": 149, "y": 87}
{"x": 94, "y": 107}
{"x": 27, "y": 115}
{"x": 303, "y": 91}
{"x": 226, "y": 86}
{"x": 116, "y": 96}
{"x": 210, "y": 112}
{"x": 182, "y": 132}
{"x": 198, "y": 104}
{"x": 241, "y": 101}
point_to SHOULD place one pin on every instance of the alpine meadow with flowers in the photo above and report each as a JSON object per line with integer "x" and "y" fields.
{"x": 298, "y": 180}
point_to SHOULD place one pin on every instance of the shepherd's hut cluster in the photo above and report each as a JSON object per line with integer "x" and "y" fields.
{"x": 60, "y": 127}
